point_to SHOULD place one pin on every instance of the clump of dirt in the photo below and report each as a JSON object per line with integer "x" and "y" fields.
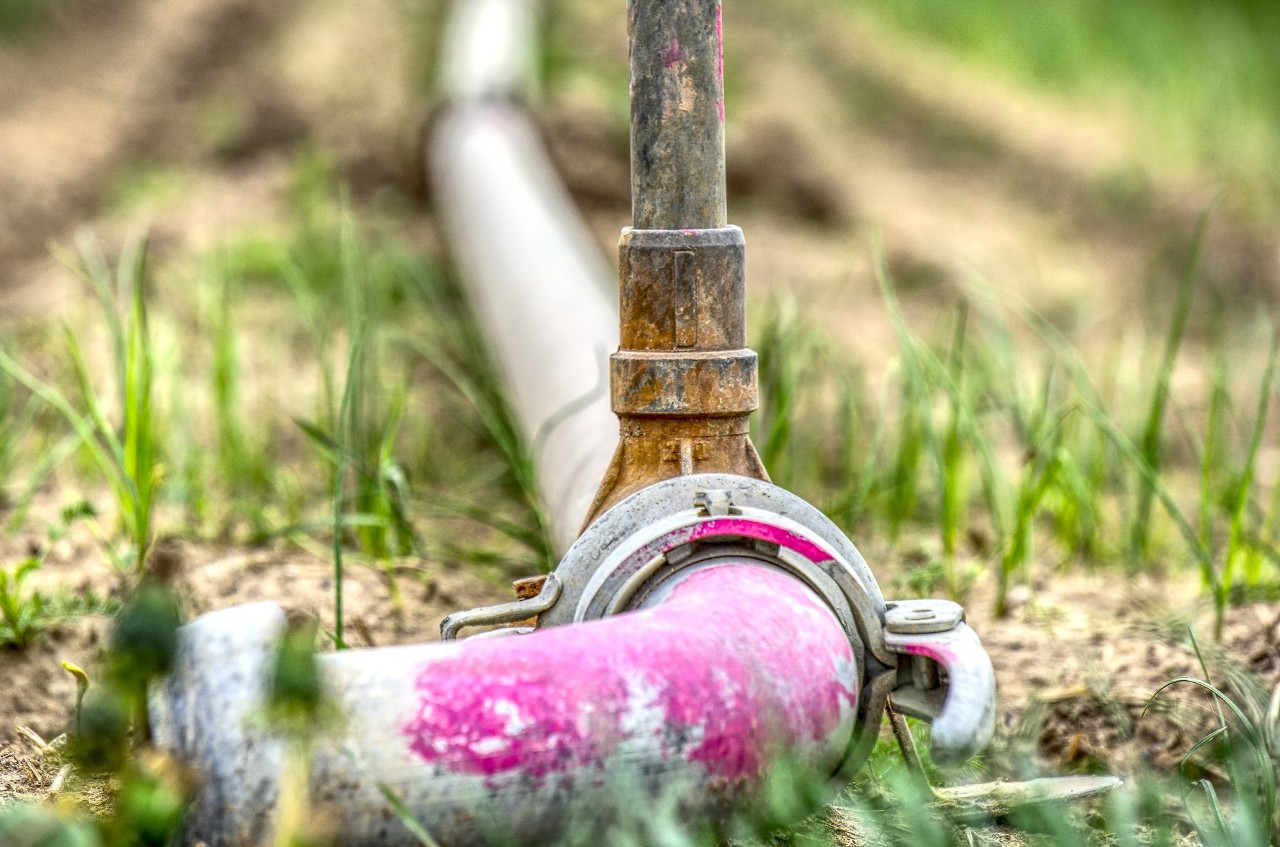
{"x": 24, "y": 775}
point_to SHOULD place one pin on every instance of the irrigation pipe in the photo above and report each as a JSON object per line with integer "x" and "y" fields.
{"x": 705, "y": 635}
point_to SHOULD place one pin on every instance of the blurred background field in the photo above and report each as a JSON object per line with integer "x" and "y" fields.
{"x": 1013, "y": 276}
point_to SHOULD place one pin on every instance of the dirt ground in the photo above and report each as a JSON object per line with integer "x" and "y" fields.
{"x": 837, "y": 135}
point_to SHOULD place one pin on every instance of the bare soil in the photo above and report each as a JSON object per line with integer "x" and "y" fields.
{"x": 838, "y": 136}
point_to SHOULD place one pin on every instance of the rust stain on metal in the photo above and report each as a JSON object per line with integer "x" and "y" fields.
{"x": 526, "y": 588}
{"x": 686, "y": 296}
{"x": 529, "y": 586}
{"x": 677, "y": 114}
{"x": 683, "y": 382}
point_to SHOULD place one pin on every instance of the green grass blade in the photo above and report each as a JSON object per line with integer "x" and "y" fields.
{"x": 85, "y": 426}
{"x": 339, "y": 484}
{"x": 50, "y": 459}
{"x": 139, "y": 434}
{"x": 1140, "y": 535}
{"x": 1241, "y": 496}
{"x": 416, "y": 829}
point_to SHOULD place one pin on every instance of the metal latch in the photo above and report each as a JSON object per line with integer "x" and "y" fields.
{"x": 961, "y": 708}
{"x": 933, "y": 634}
{"x": 504, "y": 614}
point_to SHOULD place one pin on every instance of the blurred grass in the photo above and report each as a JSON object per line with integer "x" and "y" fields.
{"x": 273, "y": 427}
{"x": 1202, "y": 77}
{"x": 19, "y": 18}
{"x": 1014, "y": 449}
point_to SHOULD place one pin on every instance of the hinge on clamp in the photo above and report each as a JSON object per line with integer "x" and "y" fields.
{"x": 504, "y": 613}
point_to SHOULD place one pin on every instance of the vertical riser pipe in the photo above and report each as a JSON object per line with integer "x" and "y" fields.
{"x": 677, "y": 114}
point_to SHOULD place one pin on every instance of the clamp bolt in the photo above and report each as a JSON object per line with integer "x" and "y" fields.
{"x": 918, "y": 617}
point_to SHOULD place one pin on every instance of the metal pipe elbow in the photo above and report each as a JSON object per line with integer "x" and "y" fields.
{"x": 683, "y": 709}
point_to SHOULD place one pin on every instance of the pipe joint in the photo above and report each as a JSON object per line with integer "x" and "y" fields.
{"x": 683, "y": 381}
{"x": 683, "y": 289}
{"x": 683, "y": 343}
{"x": 690, "y": 384}
{"x": 643, "y": 547}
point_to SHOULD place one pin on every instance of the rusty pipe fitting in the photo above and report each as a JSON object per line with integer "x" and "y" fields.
{"x": 683, "y": 382}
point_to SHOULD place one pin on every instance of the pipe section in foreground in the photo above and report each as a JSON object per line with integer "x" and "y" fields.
{"x": 677, "y": 710}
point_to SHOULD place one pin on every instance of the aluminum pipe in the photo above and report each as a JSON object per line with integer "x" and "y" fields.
{"x": 540, "y": 291}
{"x": 675, "y": 711}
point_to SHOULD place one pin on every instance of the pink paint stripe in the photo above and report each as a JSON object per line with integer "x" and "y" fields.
{"x": 743, "y": 528}
{"x": 739, "y": 663}
{"x": 672, "y": 55}
{"x": 940, "y": 653}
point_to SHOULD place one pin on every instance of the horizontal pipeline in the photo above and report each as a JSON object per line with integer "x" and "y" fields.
{"x": 540, "y": 290}
{"x": 678, "y": 711}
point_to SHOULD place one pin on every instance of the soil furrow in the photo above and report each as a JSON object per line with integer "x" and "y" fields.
{"x": 104, "y": 97}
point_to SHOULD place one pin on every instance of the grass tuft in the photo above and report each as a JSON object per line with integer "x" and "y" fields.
{"x": 126, "y": 453}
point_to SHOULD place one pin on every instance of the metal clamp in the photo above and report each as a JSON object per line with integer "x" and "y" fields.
{"x": 515, "y": 612}
{"x": 626, "y": 557}
{"x": 934, "y": 635}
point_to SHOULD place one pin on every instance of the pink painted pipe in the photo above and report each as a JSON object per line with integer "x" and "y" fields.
{"x": 754, "y": 645}
{"x": 678, "y": 710}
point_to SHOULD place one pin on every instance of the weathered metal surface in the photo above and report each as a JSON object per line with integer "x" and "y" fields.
{"x": 529, "y": 586}
{"x": 622, "y": 559}
{"x": 550, "y": 737}
{"x": 209, "y": 712}
{"x": 656, "y": 384}
{"x": 683, "y": 289}
{"x": 640, "y": 518}
{"x": 922, "y": 616}
{"x": 677, "y": 114}
{"x": 683, "y": 382}
{"x": 519, "y": 611}
{"x": 964, "y": 713}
